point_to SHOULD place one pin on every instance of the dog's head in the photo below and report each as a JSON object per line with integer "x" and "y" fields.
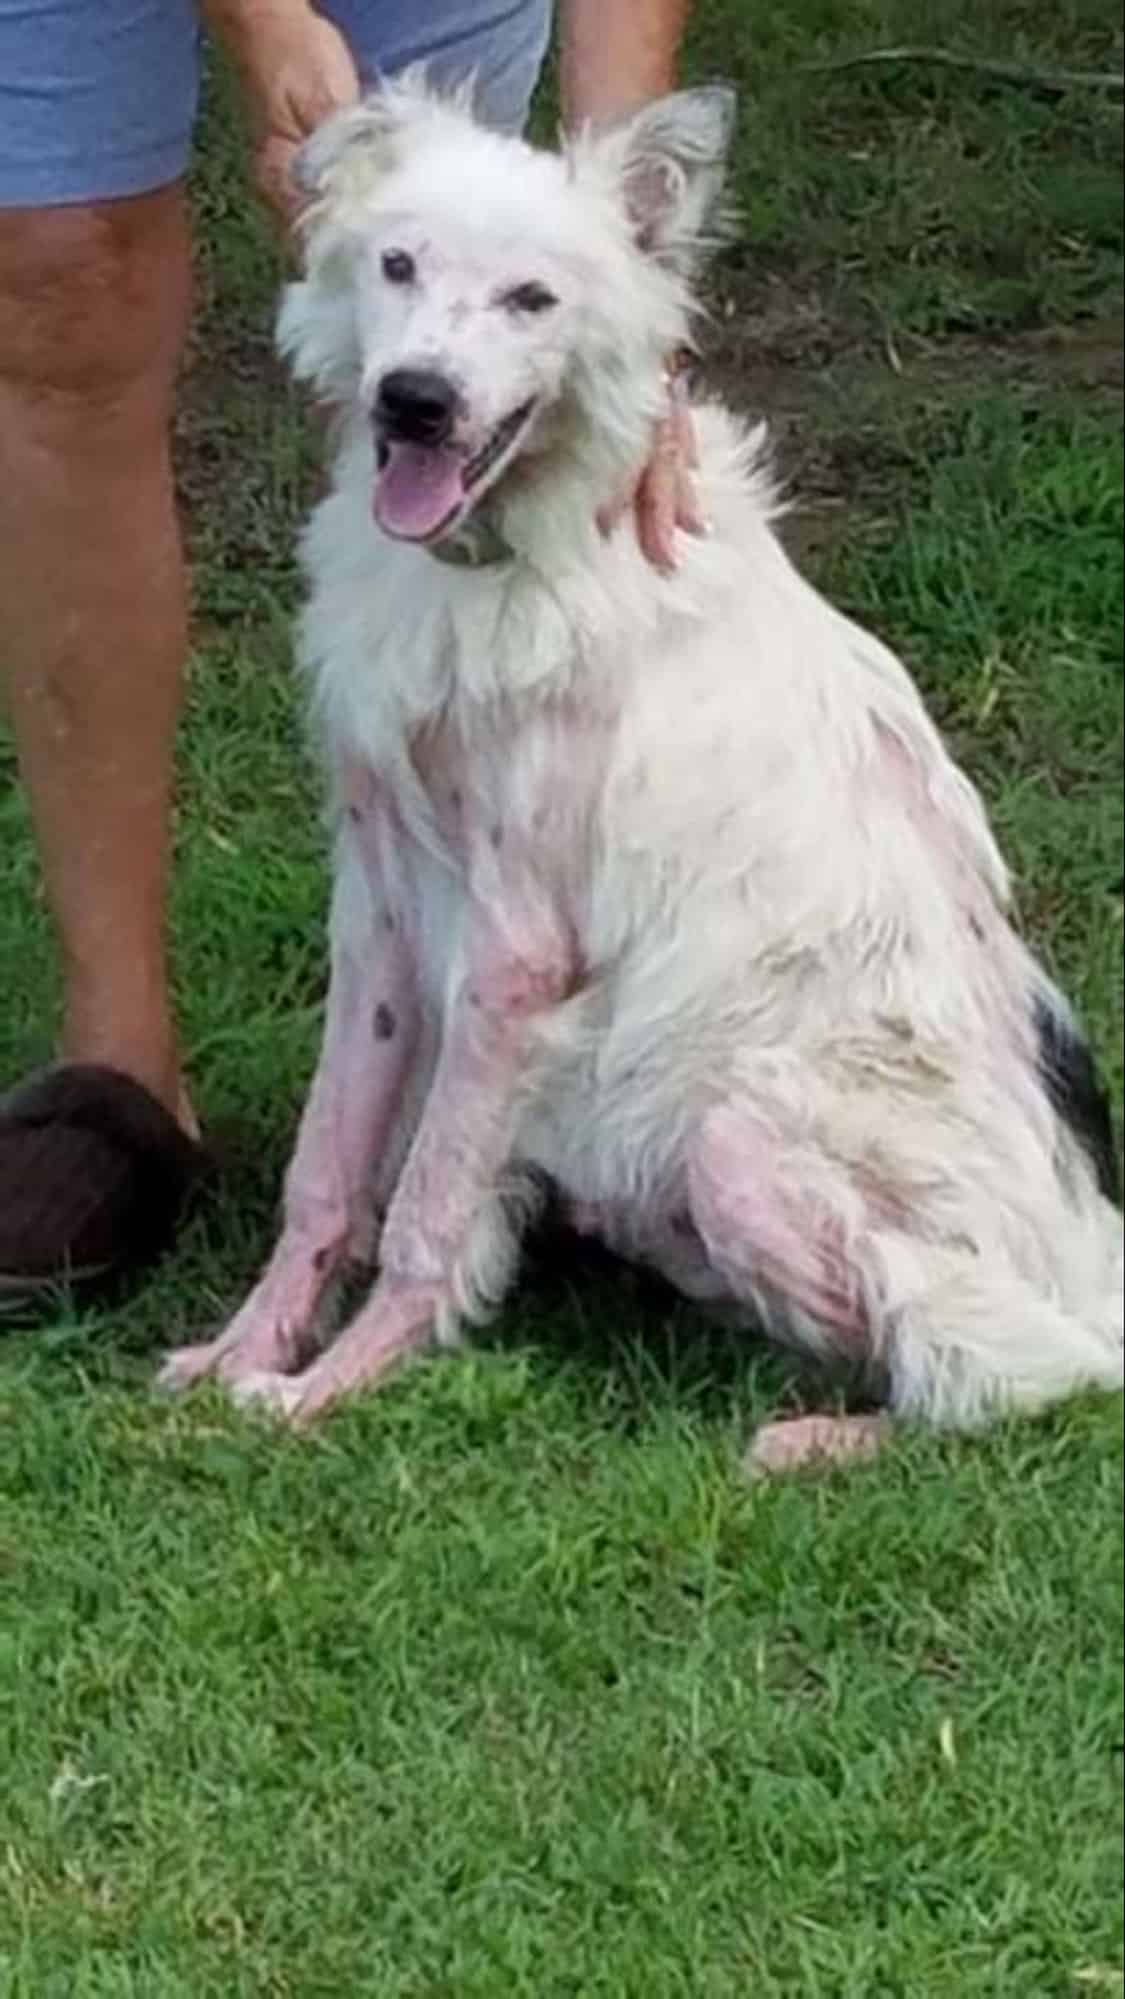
{"x": 486, "y": 308}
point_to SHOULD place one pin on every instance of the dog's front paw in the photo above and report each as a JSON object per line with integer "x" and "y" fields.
{"x": 268, "y": 1335}
{"x": 270, "y": 1394}
{"x": 229, "y": 1359}
{"x": 184, "y": 1366}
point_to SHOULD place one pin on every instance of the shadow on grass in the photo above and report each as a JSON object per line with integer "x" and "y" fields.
{"x": 626, "y": 1349}
{"x": 631, "y": 1347}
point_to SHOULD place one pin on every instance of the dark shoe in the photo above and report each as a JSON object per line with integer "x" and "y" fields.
{"x": 94, "y": 1173}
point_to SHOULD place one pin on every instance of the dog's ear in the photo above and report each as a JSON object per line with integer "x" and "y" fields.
{"x": 356, "y": 146}
{"x": 671, "y": 158}
{"x": 361, "y": 137}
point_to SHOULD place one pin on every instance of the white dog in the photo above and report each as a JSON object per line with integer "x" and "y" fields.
{"x": 658, "y": 889}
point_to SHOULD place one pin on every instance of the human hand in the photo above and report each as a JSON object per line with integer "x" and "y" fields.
{"x": 663, "y": 497}
{"x": 296, "y": 69}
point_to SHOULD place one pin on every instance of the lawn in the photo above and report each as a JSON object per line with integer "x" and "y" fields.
{"x": 506, "y": 1682}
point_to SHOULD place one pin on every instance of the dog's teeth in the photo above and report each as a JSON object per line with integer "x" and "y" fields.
{"x": 501, "y": 437}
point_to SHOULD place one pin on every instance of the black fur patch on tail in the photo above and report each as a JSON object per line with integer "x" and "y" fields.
{"x": 1076, "y": 1093}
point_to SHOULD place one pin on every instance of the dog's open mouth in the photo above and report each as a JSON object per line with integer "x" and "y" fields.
{"x": 423, "y": 490}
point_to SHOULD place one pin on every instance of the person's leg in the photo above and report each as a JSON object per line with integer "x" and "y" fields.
{"x": 93, "y": 302}
{"x": 96, "y": 106}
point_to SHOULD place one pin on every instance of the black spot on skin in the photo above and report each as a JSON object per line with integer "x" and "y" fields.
{"x": 385, "y": 1022}
{"x": 496, "y": 836}
{"x": 977, "y": 928}
{"x": 388, "y": 921}
{"x": 354, "y": 814}
{"x": 320, "y": 1259}
{"x": 1076, "y": 1093}
{"x": 455, "y": 799}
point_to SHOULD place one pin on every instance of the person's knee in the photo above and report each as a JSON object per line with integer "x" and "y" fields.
{"x": 93, "y": 300}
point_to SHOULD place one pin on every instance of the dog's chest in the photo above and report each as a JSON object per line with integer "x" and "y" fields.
{"x": 445, "y": 789}
{"x": 491, "y": 818}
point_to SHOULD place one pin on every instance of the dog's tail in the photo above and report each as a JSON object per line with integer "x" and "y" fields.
{"x": 986, "y": 1344}
{"x": 1076, "y": 1091}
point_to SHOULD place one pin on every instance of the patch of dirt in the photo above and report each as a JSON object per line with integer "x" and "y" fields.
{"x": 839, "y": 397}
{"x": 787, "y": 325}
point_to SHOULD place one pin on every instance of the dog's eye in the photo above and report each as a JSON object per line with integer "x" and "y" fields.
{"x": 398, "y": 267}
{"x": 530, "y": 298}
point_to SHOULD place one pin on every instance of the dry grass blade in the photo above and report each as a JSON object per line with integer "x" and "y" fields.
{"x": 1027, "y": 76}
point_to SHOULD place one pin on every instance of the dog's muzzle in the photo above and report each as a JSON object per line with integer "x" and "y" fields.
{"x": 427, "y": 478}
{"x": 415, "y": 406}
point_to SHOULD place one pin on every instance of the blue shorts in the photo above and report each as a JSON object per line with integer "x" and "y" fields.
{"x": 98, "y": 97}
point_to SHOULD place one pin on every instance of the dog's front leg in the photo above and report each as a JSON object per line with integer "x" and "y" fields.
{"x": 370, "y": 1032}
{"x": 444, "y": 1249}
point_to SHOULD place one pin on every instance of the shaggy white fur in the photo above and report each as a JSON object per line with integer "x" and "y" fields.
{"x": 658, "y": 888}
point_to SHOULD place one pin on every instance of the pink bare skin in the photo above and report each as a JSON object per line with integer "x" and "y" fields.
{"x": 760, "y": 1226}
{"x": 749, "y": 1208}
{"x": 449, "y": 1180}
{"x": 369, "y": 1042}
{"x": 801, "y": 1441}
{"x": 447, "y": 1186}
{"x": 396, "y": 1322}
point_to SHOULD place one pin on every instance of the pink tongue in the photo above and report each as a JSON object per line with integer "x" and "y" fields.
{"x": 418, "y": 488}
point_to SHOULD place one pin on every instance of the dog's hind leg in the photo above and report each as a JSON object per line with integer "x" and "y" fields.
{"x": 329, "y": 1219}
{"x": 785, "y": 1231}
{"x": 835, "y": 1267}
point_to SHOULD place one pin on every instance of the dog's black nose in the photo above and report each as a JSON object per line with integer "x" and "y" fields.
{"x": 416, "y": 406}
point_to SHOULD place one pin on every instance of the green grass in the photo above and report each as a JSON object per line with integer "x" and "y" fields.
{"x": 506, "y": 1682}
{"x": 929, "y": 199}
{"x": 488, "y": 1690}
